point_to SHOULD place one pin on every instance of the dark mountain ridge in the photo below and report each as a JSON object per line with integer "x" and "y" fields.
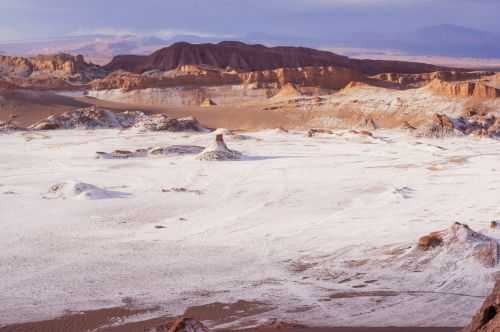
{"x": 245, "y": 57}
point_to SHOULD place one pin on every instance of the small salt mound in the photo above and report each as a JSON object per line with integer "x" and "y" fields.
{"x": 218, "y": 150}
{"x": 81, "y": 191}
{"x": 208, "y": 103}
{"x": 222, "y": 131}
{"x": 288, "y": 91}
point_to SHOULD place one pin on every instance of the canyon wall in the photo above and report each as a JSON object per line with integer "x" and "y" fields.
{"x": 321, "y": 77}
{"x": 477, "y": 89}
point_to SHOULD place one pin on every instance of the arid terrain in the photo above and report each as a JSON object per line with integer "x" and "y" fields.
{"x": 247, "y": 187}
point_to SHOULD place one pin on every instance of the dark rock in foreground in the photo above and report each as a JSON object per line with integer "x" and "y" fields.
{"x": 180, "y": 325}
{"x": 488, "y": 317}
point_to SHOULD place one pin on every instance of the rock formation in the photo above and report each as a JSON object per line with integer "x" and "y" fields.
{"x": 208, "y": 103}
{"x": 161, "y": 122}
{"x": 177, "y": 150}
{"x": 441, "y": 126}
{"x": 122, "y": 154}
{"x": 9, "y": 126}
{"x": 180, "y": 325}
{"x": 477, "y": 89}
{"x": 88, "y": 118}
{"x": 488, "y": 317}
{"x": 45, "y": 72}
{"x": 461, "y": 237}
{"x": 96, "y": 118}
{"x": 316, "y": 131}
{"x": 322, "y": 77}
{"x": 471, "y": 123}
{"x": 172, "y": 150}
{"x": 65, "y": 63}
{"x": 219, "y": 151}
{"x": 419, "y": 80}
{"x": 242, "y": 57}
{"x": 288, "y": 91}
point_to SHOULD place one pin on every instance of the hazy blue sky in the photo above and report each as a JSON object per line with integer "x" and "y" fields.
{"x": 28, "y": 19}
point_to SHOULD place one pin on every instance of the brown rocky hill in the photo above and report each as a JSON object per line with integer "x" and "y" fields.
{"x": 244, "y": 57}
{"x": 63, "y": 63}
{"x": 48, "y": 72}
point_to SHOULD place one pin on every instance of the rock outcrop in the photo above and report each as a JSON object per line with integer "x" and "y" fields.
{"x": 461, "y": 237}
{"x": 288, "y": 91}
{"x": 218, "y": 151}
{"x": 161, "y": 122}
{"x": 488, "y": 317}
{"x": 9, "y": 126}
{"x": 322, "y": 77}
{"x": 419, "y": 80}
{"x": 478, "y": 124}
{"x": 477, "y": 89}
{"x": 172, "y": 150}
{"x": 243, "y": 57}
{"x": 208, "y": 102}
{"x": 441, "y": 126}
{"x": 62, "y": 64}
{"x": 68, "y": 64}
{"x": 317, "y": 131}
{"x": 88, "y": 118}
{"x": 127, "y": 81}
{"x": 46, "y": 72}
{"x": 326, "y": 77}
{"x": 180, "y": 325}
{"x": 96, "y": 118}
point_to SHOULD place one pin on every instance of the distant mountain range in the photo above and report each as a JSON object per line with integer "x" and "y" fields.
{"x": 441, "y": 40}
{"x": 452, "y": 40}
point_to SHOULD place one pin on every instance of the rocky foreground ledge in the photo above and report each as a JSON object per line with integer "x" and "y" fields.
{"x": 488, "y": 317}
{"x": 486, "y": 320}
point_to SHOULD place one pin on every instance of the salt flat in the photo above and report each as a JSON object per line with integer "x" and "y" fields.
{"x": 322, "y": 228}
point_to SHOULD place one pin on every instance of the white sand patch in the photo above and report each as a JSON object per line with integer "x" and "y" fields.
{"x": 284, "y": 226}
{"x": 80, "y": 190}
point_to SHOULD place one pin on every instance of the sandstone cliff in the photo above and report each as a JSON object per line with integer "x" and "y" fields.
{"x": 65, "y": 64}
{"x": 418, "y": 80}
{"x": 476, "y": 89}
{"x": 59, "y": 71}
{"x": 323, "y": 77}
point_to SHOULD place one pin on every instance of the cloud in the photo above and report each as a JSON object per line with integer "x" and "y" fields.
{"x": 162, "y": 33}
{"x": 306, "y": 18}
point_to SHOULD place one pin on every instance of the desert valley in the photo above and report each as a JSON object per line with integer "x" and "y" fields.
{"x": 247, "y": 187}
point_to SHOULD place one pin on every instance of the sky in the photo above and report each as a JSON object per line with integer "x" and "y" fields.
{"x": 39, "y": 19}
